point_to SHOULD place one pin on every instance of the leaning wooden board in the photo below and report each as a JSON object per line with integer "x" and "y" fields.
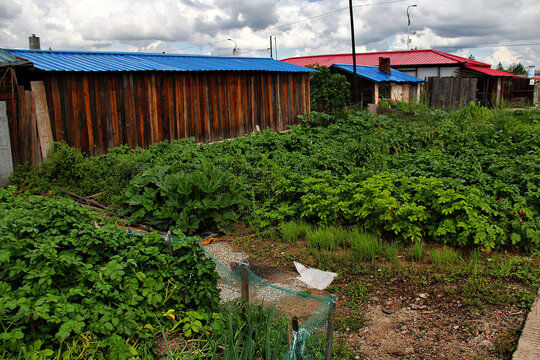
{"x": 6, "y": 160}
{"x": 42, "y": 117}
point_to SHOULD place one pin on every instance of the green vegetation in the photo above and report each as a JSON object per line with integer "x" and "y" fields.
{"x": 294, "y": 230}
{"x": 463, "y": 178}
{"x": 68, "y": 276}
{"x": 424, "y": 198}
{"x": 329, "y": 92}
{"x": 365, "y": 246}
{"x": 202, "y": 199}
{"x": 244, "y": 331}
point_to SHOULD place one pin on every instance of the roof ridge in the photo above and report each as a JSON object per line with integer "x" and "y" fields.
{"x": 126, "y": 53}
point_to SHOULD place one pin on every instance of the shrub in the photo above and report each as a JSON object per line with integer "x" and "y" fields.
{"x": 329, "y": 92}
{"x": 203, "y": 199}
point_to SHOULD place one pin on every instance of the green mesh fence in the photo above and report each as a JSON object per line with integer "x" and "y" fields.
{"x": 313, "y": 312}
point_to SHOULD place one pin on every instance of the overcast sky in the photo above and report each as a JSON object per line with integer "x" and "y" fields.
{"x": 301, "y": 27}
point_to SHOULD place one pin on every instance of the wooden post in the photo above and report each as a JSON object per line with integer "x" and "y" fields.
{"x": 245, "y": 281}
{"x": 330, "y": 330}
{"x": 289, "y": 342}
{"x": 42, "y": 117}
{"x": 6, "y": 159}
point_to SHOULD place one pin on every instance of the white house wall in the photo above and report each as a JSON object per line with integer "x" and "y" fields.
{"x": 433, "y": 71}
{"x": 449, "y": 71}
{"x": 396, "y": 92}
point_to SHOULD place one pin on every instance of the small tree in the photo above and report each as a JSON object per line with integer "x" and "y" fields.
{"x": 517, "y": 69}
{"x": 500, "y": 66}
{"x": 329, "y": 92}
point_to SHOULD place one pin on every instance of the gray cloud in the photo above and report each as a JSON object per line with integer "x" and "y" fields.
{"x": 166, "y": 25}
{"x": 9, "y": 9}
{"x": 256, "y": 15}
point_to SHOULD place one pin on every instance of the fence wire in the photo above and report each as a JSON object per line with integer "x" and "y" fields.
{"x": 310, "y": 340}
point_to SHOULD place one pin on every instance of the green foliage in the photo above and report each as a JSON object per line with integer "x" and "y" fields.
{"x": 444, "y": 256}
{"x": 329, "y": 92}
{"x": 206, "y": 198}
{"x": 461, "y": 178}
{"x": 391, "y": 250}
{"x": 294, "y": 230}
{"x": 418, "y": 249}
{"x": 366, "y": 247}
{"x": 66, "y": 272}
{"x": 322, "y": 238}
{"x": 260, "y": 333}
{"x": 358, "y": 295}
{"x": 517, "y": 69}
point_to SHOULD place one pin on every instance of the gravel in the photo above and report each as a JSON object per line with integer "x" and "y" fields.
{"x": 230, "y": 290}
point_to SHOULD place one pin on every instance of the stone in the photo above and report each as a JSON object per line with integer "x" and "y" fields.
{"x": 486, "y": 344}
{"x": 409, "y": 350}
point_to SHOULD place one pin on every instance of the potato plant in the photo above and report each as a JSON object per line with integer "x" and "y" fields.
{"x": 66, "y": 273}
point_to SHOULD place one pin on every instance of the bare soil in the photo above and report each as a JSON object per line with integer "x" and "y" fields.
{"x": 403, "y": 317}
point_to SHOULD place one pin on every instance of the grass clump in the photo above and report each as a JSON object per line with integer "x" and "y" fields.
{"x": 359, "y": 294}
{"x": 365, "y": 246}
{"x": 321, "y": 239}
{"x": 418, "y": 250}
{"x": 293, "y": 230}
{"x": 444, "y": 256}
{"x": 391, "y": 251}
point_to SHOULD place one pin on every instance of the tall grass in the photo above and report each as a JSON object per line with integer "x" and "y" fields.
{"x": 418, "y": 250}
{"x": 444, "y": 257}
{"x": 365, "y": 246}
{"x": 246, "y": 332}
{"x": 293, "y": 230}
{"x": 329, "y": 238}
{"x": 391, "y": 250}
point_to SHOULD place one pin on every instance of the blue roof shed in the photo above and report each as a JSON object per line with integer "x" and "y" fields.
{"x": 99, "y": 100}
{"x": 374, "y": 74}
{"x": 132, "y": 61}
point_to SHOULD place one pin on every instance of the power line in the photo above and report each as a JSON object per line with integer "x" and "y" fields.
{"x": 480, "y": 46}
{"x": 295, "y": 22}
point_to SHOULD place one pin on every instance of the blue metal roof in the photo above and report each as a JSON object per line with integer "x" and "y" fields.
{"x": 373, "y": 73}
{"x": 129, "y": 61}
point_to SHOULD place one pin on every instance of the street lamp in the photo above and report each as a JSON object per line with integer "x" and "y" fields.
{"x": 235, "y": 51}
{"x": 409, "y": 26}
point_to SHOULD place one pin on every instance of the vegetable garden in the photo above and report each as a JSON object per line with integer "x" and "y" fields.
{"x": 70, "y": 278}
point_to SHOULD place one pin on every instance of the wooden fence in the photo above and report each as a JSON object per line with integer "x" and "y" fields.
{"x": 451, "y": 92}
{"x": 95, "y": 111}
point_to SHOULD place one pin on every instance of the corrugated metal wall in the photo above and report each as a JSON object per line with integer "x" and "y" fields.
{"x": 97, "y": 111}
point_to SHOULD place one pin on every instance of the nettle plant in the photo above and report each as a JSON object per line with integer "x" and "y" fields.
{"x": 66, "y": 273}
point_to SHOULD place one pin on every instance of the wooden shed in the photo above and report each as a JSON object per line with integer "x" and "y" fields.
{"x": 98, "y": 100}
{"x": 380, "y": 82}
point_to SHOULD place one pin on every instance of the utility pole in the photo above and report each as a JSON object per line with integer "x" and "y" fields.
{"x": 355, "y": 81}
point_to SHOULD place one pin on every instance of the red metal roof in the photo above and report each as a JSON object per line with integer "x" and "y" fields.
{"x": 489, "y": 71}
{"x": 397, "y": 58}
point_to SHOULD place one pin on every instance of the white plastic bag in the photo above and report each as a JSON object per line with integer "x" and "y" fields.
{"x": 315, "y": 278}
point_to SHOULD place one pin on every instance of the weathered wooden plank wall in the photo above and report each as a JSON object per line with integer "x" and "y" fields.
{"x": 451, "y": 92}
{"x": 97, "y": 111}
